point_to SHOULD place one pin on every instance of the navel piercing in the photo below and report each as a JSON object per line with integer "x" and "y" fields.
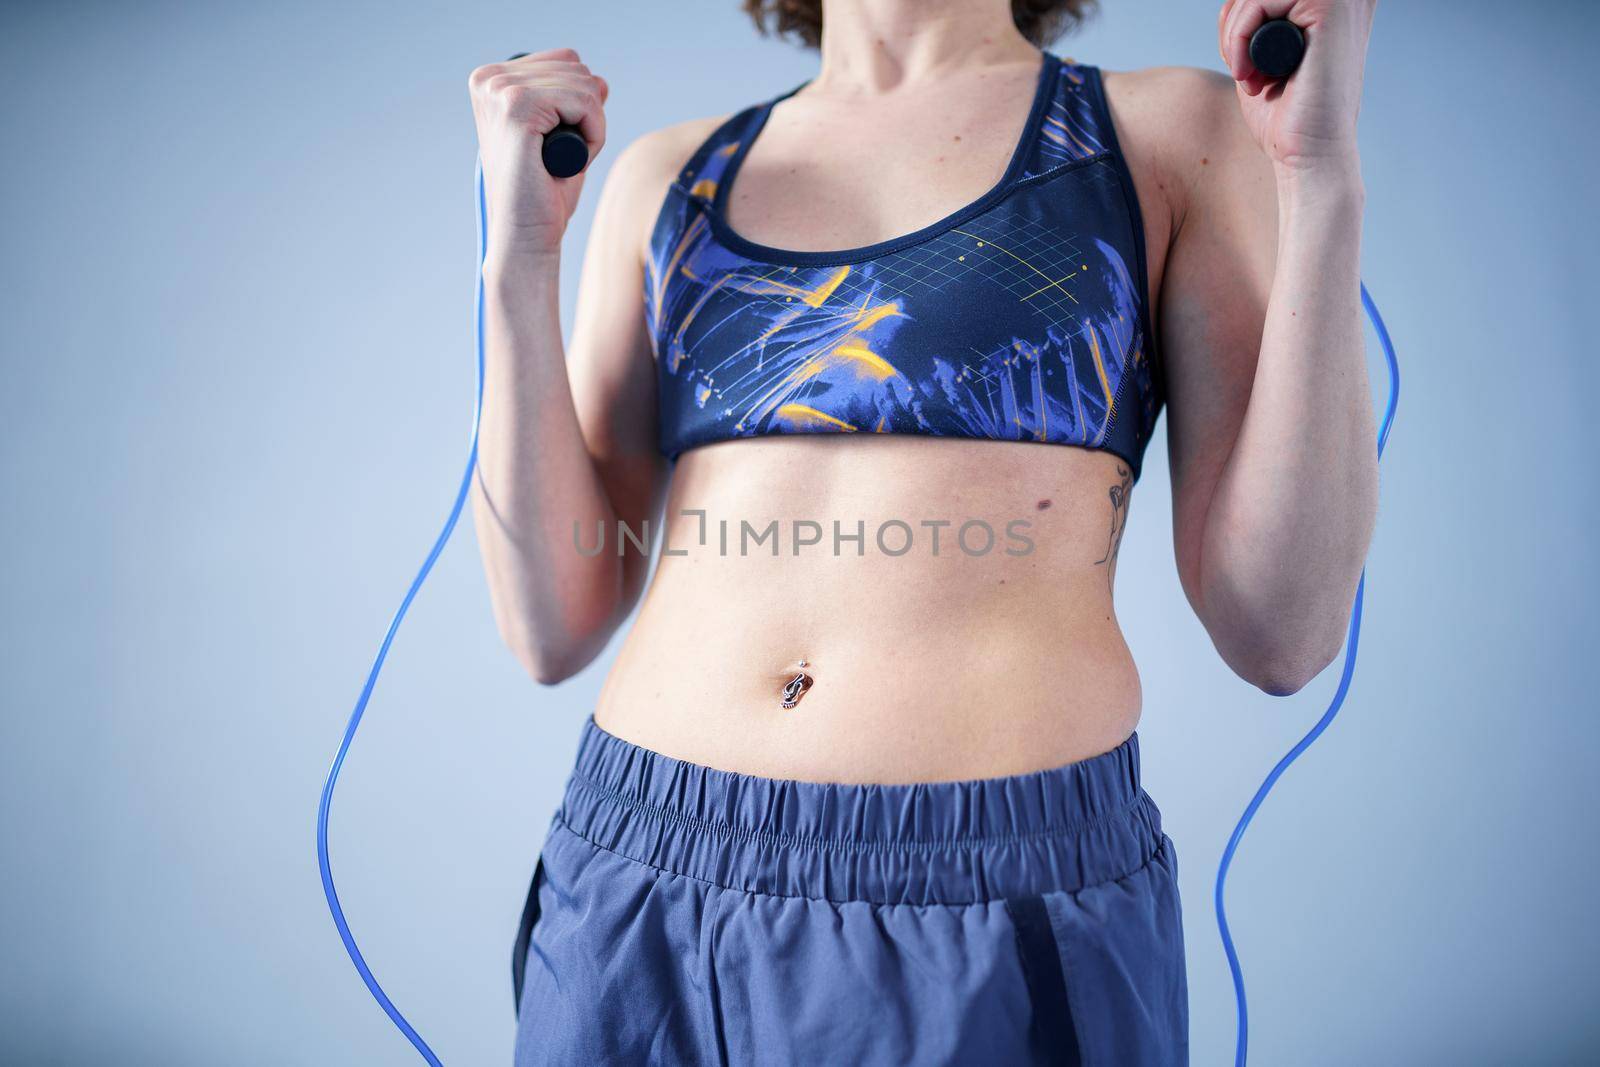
{"x": 796, "y": 687}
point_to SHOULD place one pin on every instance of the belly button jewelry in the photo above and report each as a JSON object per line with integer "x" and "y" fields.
{"x": 796, "y": 687}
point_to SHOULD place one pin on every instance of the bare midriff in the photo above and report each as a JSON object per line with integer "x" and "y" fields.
{"x": 996, "y": 653}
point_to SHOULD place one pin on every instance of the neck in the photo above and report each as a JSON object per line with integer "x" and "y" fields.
{"x": 879, "y": 45}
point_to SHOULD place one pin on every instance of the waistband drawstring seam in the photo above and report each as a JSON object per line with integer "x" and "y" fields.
{"x": 787, "y": 840}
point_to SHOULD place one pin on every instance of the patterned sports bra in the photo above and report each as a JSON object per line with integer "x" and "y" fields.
{"x": 1023, "y": 316}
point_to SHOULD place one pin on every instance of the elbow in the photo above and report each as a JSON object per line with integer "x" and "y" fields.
{"x": 552, "y": 653}
{"x": 1283, "y": 680}
{"x": 1281, "y": 655}
{"x": 547, "y": 665}
{"x": 1281, "y": 639}
{"x": 1284, "y": 672}
{"x": 555, "y": 644}
{"x": 551, "y": 672}
{"x": 547, "y": 660}
{"x": 567, "y": 635}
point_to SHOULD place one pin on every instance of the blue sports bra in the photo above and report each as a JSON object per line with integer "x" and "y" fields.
{"x": 1023, "y": 316}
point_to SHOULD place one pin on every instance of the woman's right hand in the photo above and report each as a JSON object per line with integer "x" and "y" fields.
{"x": 514, "y": 105}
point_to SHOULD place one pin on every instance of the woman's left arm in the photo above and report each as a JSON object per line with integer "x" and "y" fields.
{"x": 1271, "y": 431}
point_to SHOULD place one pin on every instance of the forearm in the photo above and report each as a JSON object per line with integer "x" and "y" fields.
{"x": 1294, "y": 506}
{"x": 554, "y": 605}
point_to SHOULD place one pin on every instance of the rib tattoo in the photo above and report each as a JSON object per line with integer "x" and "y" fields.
{"x": 1119, "y": 519}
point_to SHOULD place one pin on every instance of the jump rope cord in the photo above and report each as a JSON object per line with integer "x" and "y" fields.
{"x": 328, "y": 889}
{"x": 456, "y": 507}
{"x": 1351, "y": 644}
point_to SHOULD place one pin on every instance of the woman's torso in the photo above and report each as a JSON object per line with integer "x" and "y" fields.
{"x": 997, "y": 652}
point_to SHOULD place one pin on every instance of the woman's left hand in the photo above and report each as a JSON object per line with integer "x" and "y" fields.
{"x": 1308, "y": 121}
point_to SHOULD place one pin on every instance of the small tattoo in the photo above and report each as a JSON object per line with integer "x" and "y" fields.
{"x": 1119, "y": 520}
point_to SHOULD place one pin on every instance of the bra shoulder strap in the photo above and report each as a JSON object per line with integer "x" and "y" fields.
{"x": 1074, "y": 124}
{"x": 699, "y": 177}
{"x": 688, "y": 202}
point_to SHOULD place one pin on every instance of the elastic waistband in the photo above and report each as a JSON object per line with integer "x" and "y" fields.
{"x": 928, "y": 843}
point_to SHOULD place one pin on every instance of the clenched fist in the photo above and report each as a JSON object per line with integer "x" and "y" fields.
{"x": 1308, "y": 122}
{"x": 515, "y": 104}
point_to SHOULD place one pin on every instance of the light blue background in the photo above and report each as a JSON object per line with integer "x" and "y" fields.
{"x": 237, "y": 264}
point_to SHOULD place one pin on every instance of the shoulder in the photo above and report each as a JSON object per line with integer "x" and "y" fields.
{"x": 1174, "y": 94}
{"x": 637, "y": 181}
{"x": 655, "y": 157}
{"x": 640, "y": 174}
{"x": 1179, "y": 109}
{"x": 1181, "y": 127}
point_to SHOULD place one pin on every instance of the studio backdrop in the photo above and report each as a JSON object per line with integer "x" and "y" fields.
{"x": 238, "y": 255}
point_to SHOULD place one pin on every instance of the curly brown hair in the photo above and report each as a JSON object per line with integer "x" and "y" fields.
{"x": 1040, "y": 21}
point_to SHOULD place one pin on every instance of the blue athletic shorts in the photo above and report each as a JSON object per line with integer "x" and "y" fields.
{"x": 685, "y": 915}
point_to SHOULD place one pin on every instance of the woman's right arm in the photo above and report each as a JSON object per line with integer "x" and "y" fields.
{"x": 566, "y": 437}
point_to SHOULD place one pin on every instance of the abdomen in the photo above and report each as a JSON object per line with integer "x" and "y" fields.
{"x": 995, "y": 651}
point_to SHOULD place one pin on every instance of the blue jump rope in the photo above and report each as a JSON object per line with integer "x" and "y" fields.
{"x": 1276, "y": 49}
